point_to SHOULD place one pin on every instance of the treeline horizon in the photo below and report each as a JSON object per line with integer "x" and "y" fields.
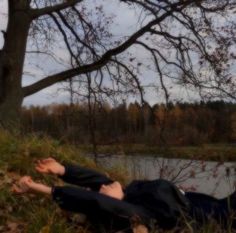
{"x": 178, "y": 124}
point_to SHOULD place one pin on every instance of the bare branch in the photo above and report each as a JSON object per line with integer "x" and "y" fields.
{"x": 64, "y": 35}
{"x": 62, "y": 76}
{"x": 36, "y": 13}
{"x": 135, "y": 78}
{"x": 76, "y": 34}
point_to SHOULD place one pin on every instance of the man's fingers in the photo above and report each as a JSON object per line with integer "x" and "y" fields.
{"x": 41, "y": 169}
{"x": 16, "y": 189}
{"x": 44, "y": 166}
{"x": 22, "y": 186}
{"x": 39, "y": 163}
{"x": 48, "y": 160}
{"x": 28, "y": 178}
{"x": 25, "y": 179}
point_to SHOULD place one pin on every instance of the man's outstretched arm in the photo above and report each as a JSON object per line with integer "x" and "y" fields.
{"x": 93, "y": 204}
{"x": 85, "y": 177}
{"x": 73, "y": 174}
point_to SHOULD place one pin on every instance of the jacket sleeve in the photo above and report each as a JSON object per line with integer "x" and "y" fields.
{"x": 84, "y": 177}
{"x": 94, "y": 204}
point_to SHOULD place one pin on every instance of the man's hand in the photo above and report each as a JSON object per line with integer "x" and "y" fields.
{"x": 26, "y": 184}
{"x": 50, "y": 166}
{"x": 140, "y": 229}
{"x": 23, "y": 185}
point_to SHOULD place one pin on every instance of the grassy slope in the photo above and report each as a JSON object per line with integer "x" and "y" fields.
{"x": 34, "y": 213}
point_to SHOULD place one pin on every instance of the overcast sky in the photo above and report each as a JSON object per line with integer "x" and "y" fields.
{"x": 124, "y": 23}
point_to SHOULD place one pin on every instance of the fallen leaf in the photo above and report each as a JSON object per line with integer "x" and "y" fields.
{"x": 12, "y": 227}
{"x": 45, "y": 229}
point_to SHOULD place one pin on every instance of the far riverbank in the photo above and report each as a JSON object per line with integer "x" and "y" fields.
{"x": 210, "y": 152}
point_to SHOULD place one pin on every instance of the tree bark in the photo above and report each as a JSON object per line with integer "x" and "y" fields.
{"x": 12, "y": 61}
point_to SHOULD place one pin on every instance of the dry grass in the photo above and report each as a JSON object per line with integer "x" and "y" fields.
{"x": 37, "y": 214}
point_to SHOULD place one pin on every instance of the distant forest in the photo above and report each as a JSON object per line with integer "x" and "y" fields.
{"x": 178, "y": 124}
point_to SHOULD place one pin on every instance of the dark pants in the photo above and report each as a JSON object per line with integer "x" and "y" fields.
{"x": 204, "y": 207}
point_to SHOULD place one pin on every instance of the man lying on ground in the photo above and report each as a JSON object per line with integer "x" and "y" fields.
{"x": 155, "y": 203}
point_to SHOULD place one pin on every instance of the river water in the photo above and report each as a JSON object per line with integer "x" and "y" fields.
{"x": 217, "y": 179}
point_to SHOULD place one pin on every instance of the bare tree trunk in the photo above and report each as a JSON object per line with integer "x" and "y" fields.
{"x": 12, "y": 61}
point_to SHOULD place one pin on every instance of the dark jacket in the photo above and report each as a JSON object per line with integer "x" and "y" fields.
{"x": 157, "y": 200}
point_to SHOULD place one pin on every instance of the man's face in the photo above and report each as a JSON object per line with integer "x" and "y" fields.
{"x": 113, "y": 190}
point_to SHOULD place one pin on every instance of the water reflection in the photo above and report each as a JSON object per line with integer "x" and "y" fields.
{"x": 213, "y": 178}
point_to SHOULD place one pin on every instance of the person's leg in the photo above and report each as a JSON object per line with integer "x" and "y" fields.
{"x": 229, "y": 203}
{"x": 205, "y": 207}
